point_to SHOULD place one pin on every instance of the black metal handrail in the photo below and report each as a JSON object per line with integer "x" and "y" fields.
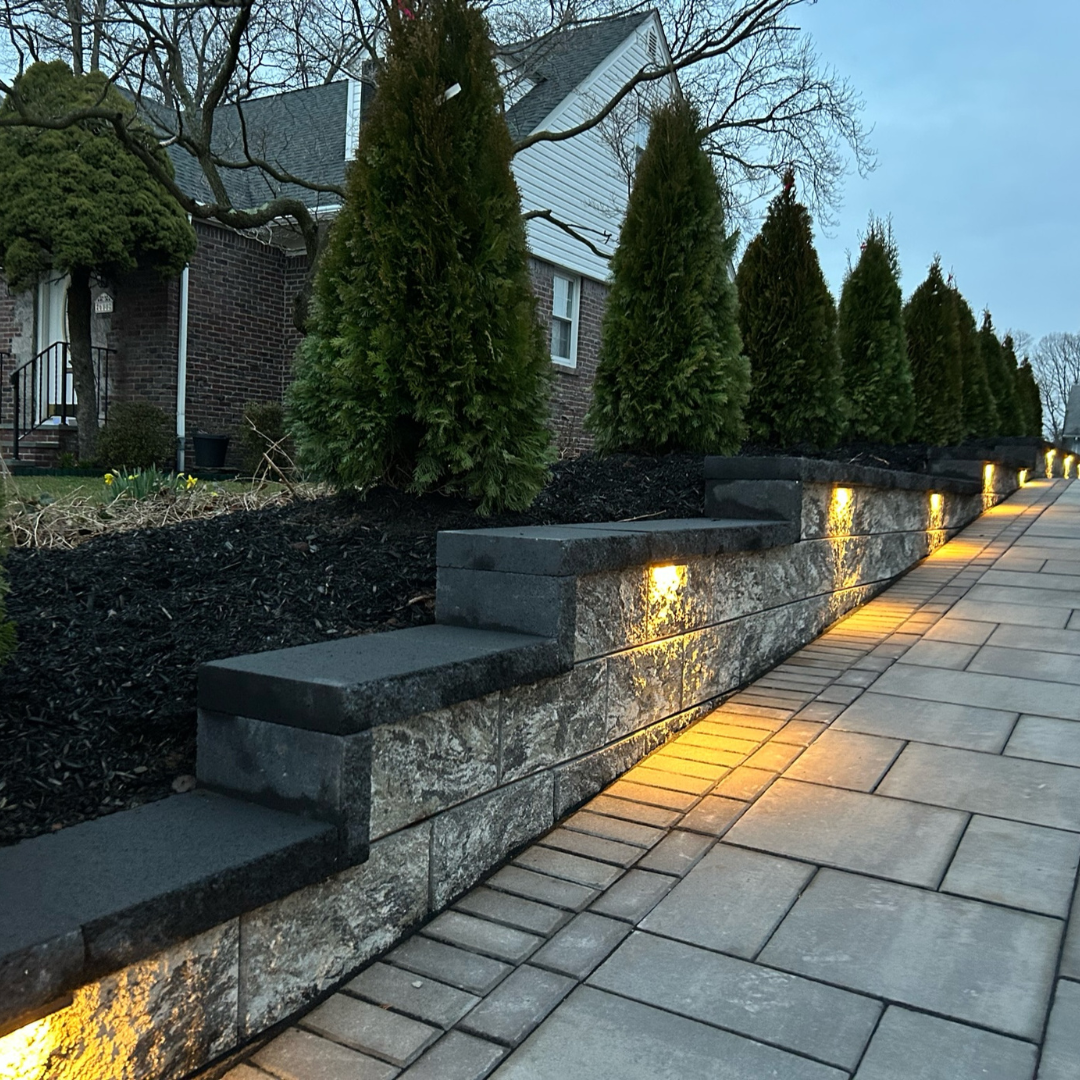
{"x": 40, "y": 389}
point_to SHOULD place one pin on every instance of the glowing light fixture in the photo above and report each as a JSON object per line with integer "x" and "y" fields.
{"x": 665, "y": 581}
{"x": 841, "y": 497}
{"x": 935, "y": 525}
{"x": 1022, "y": 476}
{"x": 1050, "y": 455}
{"x": 1067, "y": 464}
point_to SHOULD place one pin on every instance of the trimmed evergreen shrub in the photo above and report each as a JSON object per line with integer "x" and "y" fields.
{"x": 1028, "y": 388}
{"x": 7, "y": 627}
{"x": 1014, "y": 413}
{"x": 873, "y": 349}
{"x": 933, "y": 339}
{"x": 997, "y": 375}
{"x": 137, "y": 435}
{"x": 426, "y": 365}
{"x": 788, "y": 323}
{"x": 671, "y": 374}
{"x": 980, "y": 412}
{"x": 263, "y": 427}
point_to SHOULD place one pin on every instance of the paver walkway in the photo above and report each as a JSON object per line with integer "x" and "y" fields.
{"x": 860, "y": 866}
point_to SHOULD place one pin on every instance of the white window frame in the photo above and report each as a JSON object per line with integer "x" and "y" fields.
{"x": 575, "y": 318}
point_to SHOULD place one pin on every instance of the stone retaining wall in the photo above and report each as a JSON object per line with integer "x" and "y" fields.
{"x": 562, "y": 656}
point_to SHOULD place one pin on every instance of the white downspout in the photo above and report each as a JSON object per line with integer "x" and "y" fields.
{"x": 181, "y": 373}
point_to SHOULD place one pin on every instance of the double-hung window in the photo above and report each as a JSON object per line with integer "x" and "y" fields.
{"x": 564, "y": 320}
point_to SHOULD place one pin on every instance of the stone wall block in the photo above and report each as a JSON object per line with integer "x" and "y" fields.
{"x": 644, "y": 686}
{"x": 162, "y": 1017}
{"x": 430, "y": 762}
{"x": 612, "y": 612}
{"x": 469, "y": 840}
{"x": 297, "y": 947}
{"x": 713, "y": 662}
{"x": 553, "y": 720}
{"x": 579, "y": 780}
{"x": 815, "y": 510}
{"x": 681, "y": 598}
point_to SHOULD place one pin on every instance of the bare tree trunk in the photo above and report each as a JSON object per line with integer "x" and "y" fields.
{"x": 82, "y": 362}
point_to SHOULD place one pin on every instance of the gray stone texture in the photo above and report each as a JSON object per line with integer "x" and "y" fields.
{"x": 913, "y": 1046}
{"x": 553, "y": 720}
{"x": 612, "y": 612}
{"x": 517, "y": 1005}
{"x": 1061, "y": 1051}
{"x": 784, "y": 1010}
{"x": 1031, "y": 791}
{"x": 293, "y": 949}
{"x": 845, "y": 759}
{"x": 1023, "y": 866}
{"x": 731, "y": 901}
{"x": 582, "y": 944}
{"x": 597, "y": 1036}
{"x": 370, "y": 1029}
{"x": 888, "y": 838}
{"x": 425, "y": 999}
{"x": 962, "y": 726}
{"x": 644, "y": 686}
{"x": 471, "y": 838}
{"x": 456, "y": 1056}
{"x": 922, "y": 949}
{"x": 301, "y": 1055}
{"x": 433, "y": 761}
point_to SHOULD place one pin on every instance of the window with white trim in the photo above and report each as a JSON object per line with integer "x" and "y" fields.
{"x": 565, "y": 298}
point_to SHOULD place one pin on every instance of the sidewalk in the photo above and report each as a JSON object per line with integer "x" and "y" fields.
{"x": 860, "y": 866}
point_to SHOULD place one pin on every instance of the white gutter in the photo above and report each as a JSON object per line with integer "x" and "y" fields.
{"x": 181, "y": 373}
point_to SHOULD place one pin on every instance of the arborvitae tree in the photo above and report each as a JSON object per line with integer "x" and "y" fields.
{"x": 426, "y": 365}
{"x": 934, "y": 353}
{"x": 788, "y": 323}
{"x": 980, "y": 412}
{"x": 75, "y": 202}
{"x": 1028, "y": 388}
{"x": 873, "y": 350}
{"x": 671, "y": 374}
{"x": 996, "y": 374}
{"x": 1014, "y": 414}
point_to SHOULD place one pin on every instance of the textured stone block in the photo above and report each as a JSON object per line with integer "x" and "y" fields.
{"x": 469, "y": 840}
{"x": 554, "y": 720}
{"x": 644, "y": 686}
{"x": 681, "y": 597}
{"x": 712, "y": 663}
{"x": 295, "y": 948}
{"x": 612, "y": 612}
{"x": 532, "y": 604}
{"x": 430, "y": 762}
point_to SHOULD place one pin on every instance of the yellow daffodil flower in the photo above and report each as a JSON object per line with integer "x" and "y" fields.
{"x": 109, "y": 478}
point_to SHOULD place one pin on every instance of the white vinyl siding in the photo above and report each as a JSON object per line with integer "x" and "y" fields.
{"x": 578, "y": 179}
{"x": 565, "y": 309}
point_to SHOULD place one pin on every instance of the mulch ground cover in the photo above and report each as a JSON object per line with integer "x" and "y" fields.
{"x": 97, "y": 708}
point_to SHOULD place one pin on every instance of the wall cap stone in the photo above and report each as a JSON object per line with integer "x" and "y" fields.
{"x": 816, "y": 471}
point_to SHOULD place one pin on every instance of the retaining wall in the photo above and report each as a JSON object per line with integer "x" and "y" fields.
{"x": 352, "y": 788}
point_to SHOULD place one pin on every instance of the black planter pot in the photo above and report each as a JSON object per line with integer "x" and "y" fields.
{"x": 210, "y": 450}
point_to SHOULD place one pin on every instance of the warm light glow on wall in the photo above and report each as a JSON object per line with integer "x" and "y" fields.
{"x": 24, "y": 1054}
{"x": 841, "y": 512}
{"x": 665, "y": 583}
{"x": 988, "y": 498}
{"x": 1022, "y": 476}
{"x": 1067, "y": 465}
{"x": 1050, "y": 455}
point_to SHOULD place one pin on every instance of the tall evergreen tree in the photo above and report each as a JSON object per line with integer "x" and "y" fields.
{"x": 934, "y": 353}
{"x": 74, "y": 202}
{"x": 426, "y": 365}
{"x": 1028, "y": 388}
{"x": 788, "y": 323}
{"x": 873, "y": 350}
{"x": 996, "y": 373}
{"x": 671, "y": 374}
{"x": 980, "y": 412}
{"x": 1014, "y": 413}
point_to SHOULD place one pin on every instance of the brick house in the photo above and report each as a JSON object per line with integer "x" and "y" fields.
{"x": 202, "y": 345}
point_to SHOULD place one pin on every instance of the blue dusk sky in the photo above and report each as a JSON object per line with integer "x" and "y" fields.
{"x": 975, "y": 106}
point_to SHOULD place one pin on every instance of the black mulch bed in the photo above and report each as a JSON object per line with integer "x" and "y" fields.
{"x": 97, "y": 708}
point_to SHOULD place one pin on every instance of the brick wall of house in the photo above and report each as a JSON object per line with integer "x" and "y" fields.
{"x": 571, "y": 391}
{"x": 144, "y": 330}
{"x": 8, "y": 332}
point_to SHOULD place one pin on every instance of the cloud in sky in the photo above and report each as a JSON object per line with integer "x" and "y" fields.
{"x": 976, "y": 112}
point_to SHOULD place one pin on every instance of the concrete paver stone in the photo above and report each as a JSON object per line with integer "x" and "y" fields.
{"x": 591, "y": 847}
{"x": 626, "y": 832}
{"x": 922, "y": 949}
{"x": 482, "y": 936}
{"x": 676, "y": 853}
{"x": 889, "y": 838}
{"x": 543, "y": 888}
{"x": 1042, "y": 738}
{"x": 714, "y": 815}
{"x": 656, "y": 816}
{"x": 598, "y": 1036}
{"x": 846, "y": 759}
{"x": 1061, "y": 1051}
{"x": 913, "y": 1046}
{"x": 426, "y": 999}
{"x": 517, "y": 1005}
{"x": 458, "y": 967}
{"x": 514, "y": 911}
{"x": 633, "y": 896}
{"x": 1008, "y": 862}
{"x": 784, "y": 1010}
{"x": 300, "y": 1055}
{"x": 565, "y": 865}
{"x": 744, "y": 783}
{"x": 370, "y": 1029}
{"x": 582, "y": 944}
{"x": 731, "y": 901}
{"x": 456, "y": 1056}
